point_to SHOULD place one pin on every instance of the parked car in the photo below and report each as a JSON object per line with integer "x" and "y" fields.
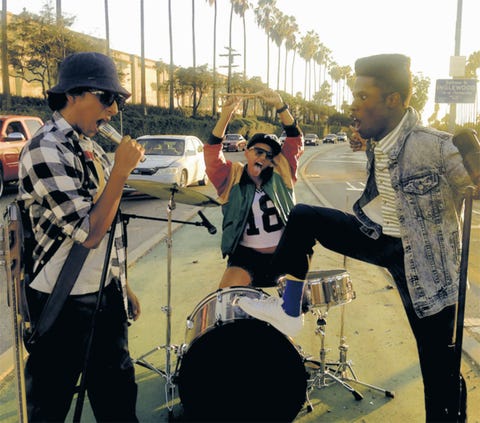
{"x": 330, "y": 139}
{"x": 234, "y": 142}
{"x": 15, "y": 131}
{"x": 171, "y": 159}
{"x": 311, "y": 139}
{"x": 342, "y": 137}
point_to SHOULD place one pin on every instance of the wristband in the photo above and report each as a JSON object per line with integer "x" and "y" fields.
{"x": 283, "y": 108}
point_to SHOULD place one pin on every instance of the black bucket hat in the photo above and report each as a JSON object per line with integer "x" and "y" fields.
{"x": 268, "y": 139}
{"x": 89, "y": 70}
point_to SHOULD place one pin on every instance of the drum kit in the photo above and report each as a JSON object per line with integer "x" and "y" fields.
{"x": 251, "y": 370}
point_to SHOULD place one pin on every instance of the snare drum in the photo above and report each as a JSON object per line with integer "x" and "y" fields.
{"x": 329, "y": 287}
{"x": 324, "y": 288}
{"x": 235, "y": 367}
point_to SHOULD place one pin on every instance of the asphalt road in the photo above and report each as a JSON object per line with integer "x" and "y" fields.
{"x": 374, "y": 333}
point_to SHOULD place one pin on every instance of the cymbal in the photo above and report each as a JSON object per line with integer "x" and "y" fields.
{"x": 180, "y": 195}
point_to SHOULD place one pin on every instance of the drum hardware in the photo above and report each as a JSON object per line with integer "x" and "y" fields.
{"x": 186, "y": 196}
{"x": 326, "y": 373}
{"x": 235, "y": 367}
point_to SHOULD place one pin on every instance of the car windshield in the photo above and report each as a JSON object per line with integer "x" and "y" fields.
{"x": 162, "y": 147}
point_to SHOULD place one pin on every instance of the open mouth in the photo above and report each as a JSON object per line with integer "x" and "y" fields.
{"x": 356, "y": 124}
{"x": 259, "y": 165}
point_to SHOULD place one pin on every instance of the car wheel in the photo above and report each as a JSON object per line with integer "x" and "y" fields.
{"x": 183, "y": 179}
{"x": 203, "y": 181}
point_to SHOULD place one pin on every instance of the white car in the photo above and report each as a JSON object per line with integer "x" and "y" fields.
{"x": 171, "y": 159}
{"x": 311, "y": 139}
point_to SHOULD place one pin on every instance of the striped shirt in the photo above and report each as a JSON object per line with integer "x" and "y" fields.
{"x": 59, "y": 197}
{"x": 387, "y": 202}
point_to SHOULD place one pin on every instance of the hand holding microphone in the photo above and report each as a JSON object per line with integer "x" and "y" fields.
{"x": 110, "y": 133}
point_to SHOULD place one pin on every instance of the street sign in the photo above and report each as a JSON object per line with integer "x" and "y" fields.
{"x": 455, "y": 91}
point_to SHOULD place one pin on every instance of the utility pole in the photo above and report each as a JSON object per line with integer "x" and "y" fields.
{"x": 231, "y": 54}
{"x": 107, "y": 28}
{"x": 458, "y": 33}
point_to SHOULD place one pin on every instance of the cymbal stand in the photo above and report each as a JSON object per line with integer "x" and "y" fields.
{"x": 323, "y": 376}
{"x": 168, "y": 347}
{"x": 343, "y": 365}
{"x": 327, "y": 373}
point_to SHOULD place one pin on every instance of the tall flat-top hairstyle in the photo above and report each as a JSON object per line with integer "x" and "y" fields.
{"x": 390, "y": 71}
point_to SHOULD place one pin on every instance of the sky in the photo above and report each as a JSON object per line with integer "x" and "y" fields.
{"x": 421, "y": 29}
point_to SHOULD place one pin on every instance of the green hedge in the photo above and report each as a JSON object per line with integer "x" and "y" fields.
{"x": 136, "y": 121}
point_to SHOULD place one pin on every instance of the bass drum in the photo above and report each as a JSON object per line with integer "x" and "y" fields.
{"x": 237, "y": 368}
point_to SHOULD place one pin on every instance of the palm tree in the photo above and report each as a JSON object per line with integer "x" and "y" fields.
{"x": 7, "y": 100}
{"x": 264, "y": 17}
{"x": 214, "y": 93}
{"x": 308, "y": 46}
{"x": 279, "y": 33}
{"x": 240, "y": 7}
{"x": 290, "y": 44}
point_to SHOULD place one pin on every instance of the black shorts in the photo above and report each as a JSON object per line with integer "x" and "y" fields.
{"x": 258, "y": 265}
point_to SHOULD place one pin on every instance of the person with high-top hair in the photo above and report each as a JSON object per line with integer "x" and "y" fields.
{"x": 415, "y": 186}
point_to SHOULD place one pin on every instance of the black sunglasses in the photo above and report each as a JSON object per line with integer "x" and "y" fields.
{"x": 107, "y": 98}
{"x": 260, "y": 152}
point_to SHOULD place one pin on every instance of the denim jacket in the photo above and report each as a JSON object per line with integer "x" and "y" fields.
{"x": 429, "y": 180}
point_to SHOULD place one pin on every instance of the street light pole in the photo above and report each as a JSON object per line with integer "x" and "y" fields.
{"x": 458, "y": 33}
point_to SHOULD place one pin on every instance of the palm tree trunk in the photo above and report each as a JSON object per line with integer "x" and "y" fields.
{"x": 7, "y": 100}
{"x": 142, "y": 49}
{"x": 194, "y": 106}
{"x": 214, "y": 91}
{"x": 171, "y": 54}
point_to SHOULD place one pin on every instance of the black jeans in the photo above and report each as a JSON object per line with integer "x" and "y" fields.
{"x": 340, "y": 232}
{"x": 56, "y": 360}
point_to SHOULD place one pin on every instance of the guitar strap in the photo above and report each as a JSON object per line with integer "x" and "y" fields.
{"x": 68, "y": 274}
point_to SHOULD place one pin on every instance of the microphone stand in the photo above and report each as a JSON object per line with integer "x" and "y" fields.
{"x": 83, "y": 379}
{"x": 141, "y": 361}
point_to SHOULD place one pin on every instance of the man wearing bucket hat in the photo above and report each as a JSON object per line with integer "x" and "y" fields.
{"x": 72, "y": 193}
{"x": 256, "y": 196}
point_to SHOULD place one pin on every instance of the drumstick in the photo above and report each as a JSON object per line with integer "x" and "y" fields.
{"x": 241, "y": 94}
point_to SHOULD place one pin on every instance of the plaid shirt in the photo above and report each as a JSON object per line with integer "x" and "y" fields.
{"x": 59, "y": 197}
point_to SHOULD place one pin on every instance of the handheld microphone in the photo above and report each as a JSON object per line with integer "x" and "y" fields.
{"x": 467, "y": 142}
{"x": 110, "y": 133}
{"x": 205, "y": 222}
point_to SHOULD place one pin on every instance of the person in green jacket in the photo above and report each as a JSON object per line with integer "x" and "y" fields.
{"x": 256, "y": 197}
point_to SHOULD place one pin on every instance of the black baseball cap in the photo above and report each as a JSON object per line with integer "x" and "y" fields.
{"x": 268, "y": 139}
